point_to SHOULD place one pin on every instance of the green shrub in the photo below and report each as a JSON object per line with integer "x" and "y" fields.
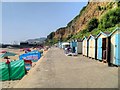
{"x": 70, "y": 23}
{"x": 74, "y": 20}
{"x": 92, "y": 24}
{"x": 51, "y": 35}
{"x": 83, "y": 9}
{"x": 69, "y": 36}
{"x": 99, "y": 8}
{"x": 96, "y": 32}
{"x": 110, "y": 5}
{"x": 110, "y": 19}
{"x": 118, "y": 3}
{"x": 104, "y": 8}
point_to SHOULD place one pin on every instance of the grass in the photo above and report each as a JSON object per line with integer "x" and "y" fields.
{"x": 96, "y": 31}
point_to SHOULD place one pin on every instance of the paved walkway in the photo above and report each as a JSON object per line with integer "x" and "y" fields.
{"x": 56, "y": 70}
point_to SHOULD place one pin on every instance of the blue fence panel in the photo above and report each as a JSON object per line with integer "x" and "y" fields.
{"x": 34, "y": 56}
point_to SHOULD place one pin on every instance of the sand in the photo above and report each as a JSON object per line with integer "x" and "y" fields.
{"x": 16, "y": 57}
{"x": 9, "y": 84}
{"x": 12, "y": 83}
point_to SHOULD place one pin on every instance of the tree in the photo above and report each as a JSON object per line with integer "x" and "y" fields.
{"x": 92, "y": 24}
{"x": 51, "y": 35}
{"x": 110, "y": 19}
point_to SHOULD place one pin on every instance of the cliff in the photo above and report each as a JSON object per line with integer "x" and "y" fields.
{"x": 80, "y": 22}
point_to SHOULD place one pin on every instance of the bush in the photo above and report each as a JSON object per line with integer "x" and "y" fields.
{"x": 118, "y": 3}
{"x": 74, "y": 20}
{"x": 81, "y": 34}
{"x": 92, "y": 24}
{"x": 110, "y": 5}
{"x": 51, "y": 35}
{"x": 110, "y": 19}
{"x": 69, "y": 36}
{"x": 99, "y": 8}
{"x": 82, "y": 10}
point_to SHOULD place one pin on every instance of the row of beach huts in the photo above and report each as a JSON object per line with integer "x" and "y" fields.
{"x": 103, "y": 47}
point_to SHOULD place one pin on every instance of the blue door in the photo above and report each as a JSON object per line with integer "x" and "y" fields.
{"x": 99, "y": 49}
{"x": 117, "y": 48}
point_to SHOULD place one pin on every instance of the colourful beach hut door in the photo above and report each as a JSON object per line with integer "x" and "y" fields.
{"x": 99, "y": 49}
{"x": 117, "y": 48}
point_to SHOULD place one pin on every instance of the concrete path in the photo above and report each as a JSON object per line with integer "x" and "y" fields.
{"x": 56, "y": 70}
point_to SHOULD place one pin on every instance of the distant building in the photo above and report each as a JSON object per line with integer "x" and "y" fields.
{"x": 24, "y": 43}
{"x": 34, "y": 43}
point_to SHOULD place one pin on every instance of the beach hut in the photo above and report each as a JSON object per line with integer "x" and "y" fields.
{"x": 92, "y": 46}
{"x": 79, "y": 46}
{"x": 73, "y": 45}
{"x": 102, "y": 46}
{"x": 85, "y": 46}
{"x": 115, "y": 47}
{"x": 76, "y": 46}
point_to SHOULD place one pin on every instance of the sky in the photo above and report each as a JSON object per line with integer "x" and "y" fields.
{"x": 29, "y": 20}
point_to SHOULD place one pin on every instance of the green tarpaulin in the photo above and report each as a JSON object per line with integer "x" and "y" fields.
{"x": 7, "y": 54}
{"x": 15, "y": 71}
{"x": 4, "y": 73}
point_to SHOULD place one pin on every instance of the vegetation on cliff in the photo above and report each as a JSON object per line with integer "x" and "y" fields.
{"x": 108, "y": 22}
{"x": 74, "y": 20}
{"x": 93, "y": 18}
{"x": 110, "y": 19}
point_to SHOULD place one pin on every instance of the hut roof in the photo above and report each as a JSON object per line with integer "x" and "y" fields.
{"x": 84, "y": 38}
{"x": 104, "y": 33}
{"x": 107, "y": 33}
{"x": 114, "y": 31}
{"x": 79, "y": 40}
{"x": 94, "y": 36}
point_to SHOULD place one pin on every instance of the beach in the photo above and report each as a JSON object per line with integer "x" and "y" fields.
{"x": 12, "y": 83}
{"x": 16, "y": 51}
{"x": 56, "y": 70}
